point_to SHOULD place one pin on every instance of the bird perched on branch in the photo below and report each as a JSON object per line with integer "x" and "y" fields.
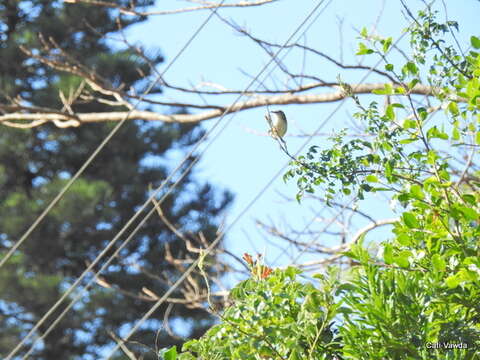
{"x": 278, "y": 123}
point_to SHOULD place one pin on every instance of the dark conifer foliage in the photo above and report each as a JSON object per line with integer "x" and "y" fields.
{"x": 36, "y": 163}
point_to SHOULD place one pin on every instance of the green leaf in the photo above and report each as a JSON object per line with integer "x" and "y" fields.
{"x": 364, "y": 32}
{"x": 371, "y": 178}
{"x": 363, "y": 49}
{"x": 386, "y": 44}
{"x": 453, "y": 281}
{"x": 292, "y": 272}
{"x": 469, "y": 213}
{"x": 412, "y": 83}
{"x": 404, "y": 239}
{"x": 409, "y": 124}
{"x": 453, "y": 108}
{"x": 410, "y": 220}
{"x": 402, "y": 258}
{"x": 435, "y": 133}
{"x": 417, "y": 192}
{"x": 389, "y": 67}
{"x": 423, "y": 113}
{"x": 408, "y": 141}
{"x": 168, "y": 354}
{"x": 455, "y": 134}
{"x": 432, "y": 157}
{"x": 366, "y": 187}
{"x": 432, "y": 180}
{"x": 469, "y": 198}
{"x": 388, "y": 254}
{"x": 387, "y": 90}
{"x": 390, "y": 113}
{"x": 468, "y": 275}
{"x": 444, "y": 175}
{"x": 475, "y": 41}
{"x": 389, "y": 170}
{"x": 410, "y": 68}
{"x": 298, "y": 197}
{"x": 439, "y": 265}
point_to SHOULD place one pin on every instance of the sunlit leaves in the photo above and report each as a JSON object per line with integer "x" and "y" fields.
{"x": 439, "y": 224}
{"x": 387, "y": 90}
{"x": 475, "y": 42}
{"x": 438, "y": 263}
{"x": 410, "y": 220}
{"x": 277, "y": 317}
{"x": 168, "y": 354}
{"x": 371, "y": 178}
{"x": 386, "y": 43}
{"x": 363, "y": 49}
{"x": 410, "y": 69}
{"x": 434, "y": 132}
{"x": 417, "y": 192}
{"x": 423, "y": 283}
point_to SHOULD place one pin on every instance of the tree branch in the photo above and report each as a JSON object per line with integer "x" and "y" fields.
{"x": 132, "y": 11}
{"x": 61, "y": 119}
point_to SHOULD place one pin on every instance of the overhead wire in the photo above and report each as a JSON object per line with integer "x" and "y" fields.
{"x": 189, "y": 270}
{"x": 219, "y": 237}
{"x": 103, "y": 143}
{"x": 142, "y": 222}
{"x": 272, "y": 179}
{"x": 93, "y": 263}
{"x": 152, "y": 211}
{"x": 80, "y": 171}
{"x": 105, "y": 265}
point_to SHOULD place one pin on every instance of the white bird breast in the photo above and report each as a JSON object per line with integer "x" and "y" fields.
{"x": 280, "y": 124}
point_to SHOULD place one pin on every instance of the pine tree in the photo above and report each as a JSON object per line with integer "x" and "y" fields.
{"x": 36, "y": 163}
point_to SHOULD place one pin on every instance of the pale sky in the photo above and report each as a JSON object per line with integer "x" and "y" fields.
{"x": 243, "y": 159}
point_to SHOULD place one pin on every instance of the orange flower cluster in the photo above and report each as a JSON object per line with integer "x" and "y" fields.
{"x": 257, "y": 269}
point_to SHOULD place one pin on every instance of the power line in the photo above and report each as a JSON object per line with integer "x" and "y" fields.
{"x": 326, "y": 226}
{"x": 76, "y": 283}
{"x": 219, "y": 237}
{"x": 148, "y": 201}
{"x": 103, "y": 143}
{"x": 79, "y": 172}
{"x": 189, "y": 270}
{"x": 107, "y": 263}
{"x": 267, "y": 184}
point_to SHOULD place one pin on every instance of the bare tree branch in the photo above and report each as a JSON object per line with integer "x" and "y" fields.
{"x": 205, "y": 6}
{"x": 61, "y": 119}
{"x": 338, "y": 251}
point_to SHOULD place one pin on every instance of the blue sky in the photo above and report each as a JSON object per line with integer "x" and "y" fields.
{"x": 243, "y": 159}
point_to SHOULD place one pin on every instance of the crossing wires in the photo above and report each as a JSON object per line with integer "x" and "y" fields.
{"x": 79, "y": 173}
{"x": 55, "y": 306}
{"x": 215, "y": 242}
{"x": 100, "y": 147}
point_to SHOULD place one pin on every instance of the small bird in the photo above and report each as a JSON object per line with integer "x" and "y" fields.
{"x": 278, "y": 125}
